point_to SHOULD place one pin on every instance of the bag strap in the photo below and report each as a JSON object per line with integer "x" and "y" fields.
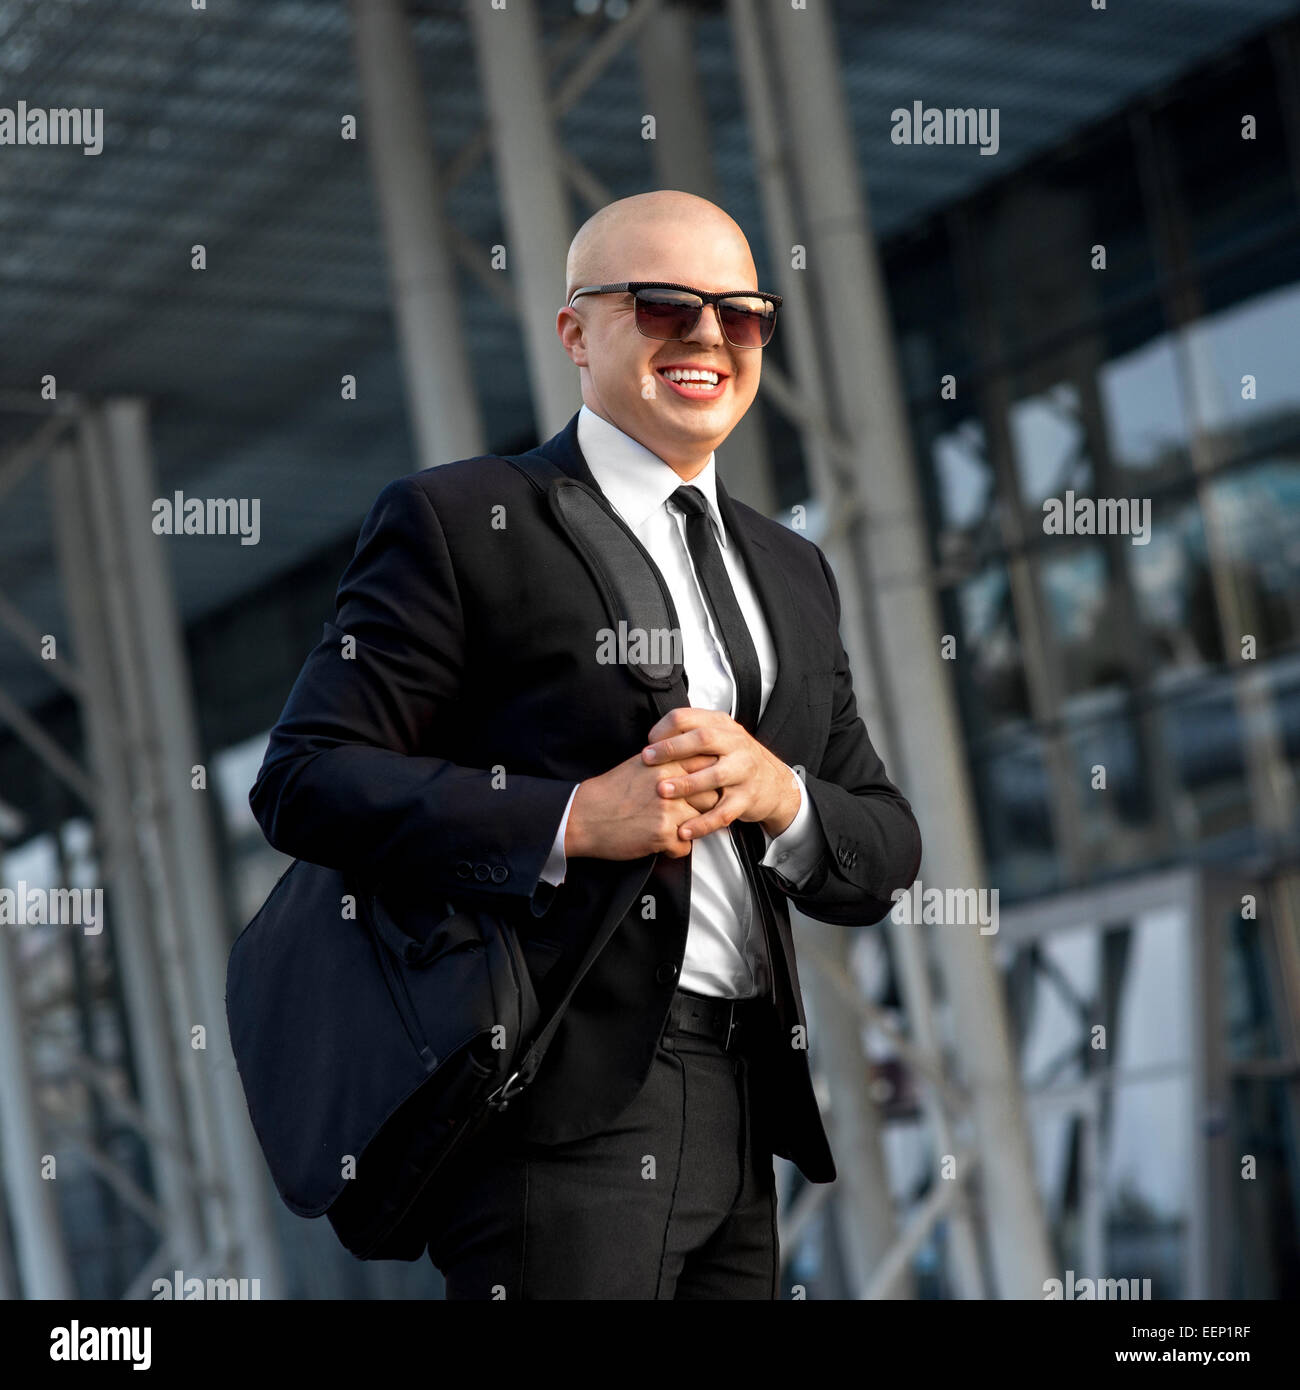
{"x": 628, "y": 579}
{"x": 634, "y": 591}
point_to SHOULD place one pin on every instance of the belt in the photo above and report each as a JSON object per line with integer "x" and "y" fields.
{"x": 725, "y": 1021}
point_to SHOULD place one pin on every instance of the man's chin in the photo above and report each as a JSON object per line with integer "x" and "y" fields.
{"x": 694, "y": 445}
{"x": 697, "y": 424}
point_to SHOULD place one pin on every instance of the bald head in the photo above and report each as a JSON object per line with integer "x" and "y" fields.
{"x": 641, "y": 383}
{"x": 645, "y": 236}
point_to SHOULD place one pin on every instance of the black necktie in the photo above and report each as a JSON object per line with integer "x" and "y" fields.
{"x": 706, "y": 556}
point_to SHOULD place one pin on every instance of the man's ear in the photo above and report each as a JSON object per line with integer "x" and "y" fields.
{"x": 573, "y": 335}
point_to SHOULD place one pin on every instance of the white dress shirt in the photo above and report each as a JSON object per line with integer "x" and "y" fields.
{"x": 724, "y": 943}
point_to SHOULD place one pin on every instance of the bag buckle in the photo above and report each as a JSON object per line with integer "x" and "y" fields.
{"x": 503, "y": 1095}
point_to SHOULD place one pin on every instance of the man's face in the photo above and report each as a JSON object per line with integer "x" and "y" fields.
{"x": 627, "y": 377}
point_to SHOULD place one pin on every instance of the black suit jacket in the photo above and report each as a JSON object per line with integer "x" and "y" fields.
{"x": 434, "y": 734}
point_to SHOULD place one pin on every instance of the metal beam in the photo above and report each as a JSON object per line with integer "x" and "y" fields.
{"x": 15, "y": 463}
{"x": 188, "y": 855}
{"x": 439, "y": 381}
{"x": 130, "y": 904}
{"x": 926, "y": 744}
{"x": 161, "y": 911}
{"x": 38, "y": 1236}
{"x": 531, "y": 187}
{"x": 943, "y": 1198}
{"x": 863, "y": 1202}
{"x": 65, "y": 768}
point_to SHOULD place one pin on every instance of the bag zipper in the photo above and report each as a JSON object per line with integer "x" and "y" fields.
{"x": 402, "y": 1001}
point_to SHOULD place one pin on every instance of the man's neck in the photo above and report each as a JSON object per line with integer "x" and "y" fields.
{"x": 686, "y": 469}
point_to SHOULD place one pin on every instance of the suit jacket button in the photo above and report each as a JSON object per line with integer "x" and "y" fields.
{"x": 482, "y": 872}
{"x": 500, "y": 874}
{"x": 667, "y": 971}
{"x": 464, "y": 868}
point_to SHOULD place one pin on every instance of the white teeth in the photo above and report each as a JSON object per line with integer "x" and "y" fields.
{"x": 704, "y": 377}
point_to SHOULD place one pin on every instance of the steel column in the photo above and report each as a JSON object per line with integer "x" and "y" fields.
{"x": 928, "y": 756}
{"x": 533, "y": 199}
{"x": 33, "y": 1212}
{"x": 120, "y": 865}
{"x": 439, "y": 382}
{"x": 862, "y": 1197}
{"x": 188, "y": 854}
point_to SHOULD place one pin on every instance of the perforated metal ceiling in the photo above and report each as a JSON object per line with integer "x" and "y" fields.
{"x": 222, "y": 128}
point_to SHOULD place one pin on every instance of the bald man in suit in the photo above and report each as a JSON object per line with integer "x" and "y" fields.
{"x": 639, "y": 1163}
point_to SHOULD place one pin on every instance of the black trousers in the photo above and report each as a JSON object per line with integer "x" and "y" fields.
{"x": 677, "y": 1199}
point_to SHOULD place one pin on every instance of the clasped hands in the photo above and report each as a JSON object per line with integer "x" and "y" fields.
{"x": 699, "y": 772}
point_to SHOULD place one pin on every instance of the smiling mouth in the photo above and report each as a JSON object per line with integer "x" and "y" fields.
{"x": 694, "y": 383}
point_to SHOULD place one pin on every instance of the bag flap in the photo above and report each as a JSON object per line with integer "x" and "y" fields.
{"x": 322, "y": 1042}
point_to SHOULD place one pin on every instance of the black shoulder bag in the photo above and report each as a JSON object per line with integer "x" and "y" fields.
{"x": 367, "y": 1056}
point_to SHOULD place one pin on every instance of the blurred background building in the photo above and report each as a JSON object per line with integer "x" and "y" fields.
{"x": 243, "y": 297}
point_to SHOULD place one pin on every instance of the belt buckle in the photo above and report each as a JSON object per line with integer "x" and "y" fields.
{"x": 503, "y": 1094}
{"x": 731, "y": 1024}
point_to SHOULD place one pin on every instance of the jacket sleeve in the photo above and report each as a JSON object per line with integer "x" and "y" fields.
{"x": 343, "y": 782}
{"x": 872, "y": 838}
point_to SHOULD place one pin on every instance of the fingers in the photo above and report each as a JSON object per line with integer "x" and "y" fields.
{"x": 674, "y": 749}
{"x": 679, "y": 770}
{"x": 718, "y": 773}
{"x": 667, "y": 840}
{"x": 687, "y": 730}
{"x": 700, "y": 799}
{"x": 729, "y": 806}
{"x": 684, "y": 717}
{"x": 692, "y": 764}
{"x": 704, "y": 801}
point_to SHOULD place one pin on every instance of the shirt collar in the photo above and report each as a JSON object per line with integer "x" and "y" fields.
{"x": 635, "y": 481}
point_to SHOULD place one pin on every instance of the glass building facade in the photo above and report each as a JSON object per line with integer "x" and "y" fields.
{"x": 1121, "y": 320}
{"x": 1129, "y": 381}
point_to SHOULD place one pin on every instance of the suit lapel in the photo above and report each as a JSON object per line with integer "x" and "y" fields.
{"x": 563, "y": 450}
{"x": 765, "y": 573}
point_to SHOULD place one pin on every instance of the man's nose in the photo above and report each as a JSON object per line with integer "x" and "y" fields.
{"x": 707, "y": 327}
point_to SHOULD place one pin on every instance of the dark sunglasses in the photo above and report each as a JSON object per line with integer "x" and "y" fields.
{"x": 670, "y": 312}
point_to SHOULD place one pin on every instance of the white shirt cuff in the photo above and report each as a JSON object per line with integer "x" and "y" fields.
{"x": 554, "y": 869}
{"x": 799, "y": 848}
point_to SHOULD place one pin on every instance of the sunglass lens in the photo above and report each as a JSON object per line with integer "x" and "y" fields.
{"x": 667, "y": 314}
{"x": 748, "y": 322}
